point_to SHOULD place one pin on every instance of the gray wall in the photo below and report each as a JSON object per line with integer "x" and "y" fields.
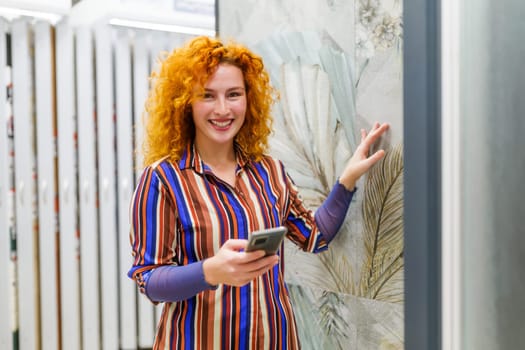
{"x": 493, "y": 170}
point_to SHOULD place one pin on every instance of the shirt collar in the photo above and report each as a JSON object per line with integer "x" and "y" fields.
{"x": 191, "y": 159}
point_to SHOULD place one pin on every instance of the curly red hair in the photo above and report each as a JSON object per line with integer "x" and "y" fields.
{"x": 169, "y": 124}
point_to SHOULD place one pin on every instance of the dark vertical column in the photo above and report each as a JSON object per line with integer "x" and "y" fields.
{"x": 217, "y": 17}
{"x": 422, "y": 155}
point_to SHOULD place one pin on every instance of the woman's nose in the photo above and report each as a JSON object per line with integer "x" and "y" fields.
{"x": 221, "y": 106}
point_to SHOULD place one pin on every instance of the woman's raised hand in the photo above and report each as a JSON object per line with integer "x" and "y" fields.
{"x": 361, "y": 161}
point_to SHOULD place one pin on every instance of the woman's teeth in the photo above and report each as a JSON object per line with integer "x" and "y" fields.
{"x": 221, "y": 124}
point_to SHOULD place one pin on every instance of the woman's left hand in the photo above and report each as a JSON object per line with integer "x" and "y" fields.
{"x": 361, "y": 162}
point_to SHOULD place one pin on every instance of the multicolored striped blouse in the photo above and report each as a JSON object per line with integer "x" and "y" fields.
{"x": 182, "y": 213}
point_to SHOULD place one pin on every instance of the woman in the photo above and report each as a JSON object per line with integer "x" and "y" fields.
{"x": 207, "y": 184}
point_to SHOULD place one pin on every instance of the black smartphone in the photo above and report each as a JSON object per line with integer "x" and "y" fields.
{"x": 269, "y": 240}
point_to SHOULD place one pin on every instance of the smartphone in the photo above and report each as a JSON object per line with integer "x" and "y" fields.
{"x": 268, "y": 240}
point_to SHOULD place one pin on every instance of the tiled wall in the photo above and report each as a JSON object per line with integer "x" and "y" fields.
{"x": 338, "y": 67}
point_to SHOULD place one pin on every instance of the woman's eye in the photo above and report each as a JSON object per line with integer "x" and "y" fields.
{"x": 235, "y": 94}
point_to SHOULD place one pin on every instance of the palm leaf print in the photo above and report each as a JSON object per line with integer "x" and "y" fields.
{"x": 383, "y": 229}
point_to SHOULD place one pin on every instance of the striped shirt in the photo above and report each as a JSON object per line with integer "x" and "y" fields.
{"x": 182, "y": 213}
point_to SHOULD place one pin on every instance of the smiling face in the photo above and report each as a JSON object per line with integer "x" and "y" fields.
{"x": 219, "y": 111}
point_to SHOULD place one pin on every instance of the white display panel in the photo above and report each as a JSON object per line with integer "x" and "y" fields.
{"x": 107, "y": 182}
{"x": 159, "y": 45}
{"x": 46, "y": 170}
{"x": 66, "y": 125}
{"x": 26, "y": 223}
{"x": 6, "y": 300}
{"x": 87, "y": 179}
{"x": 78, "y": 103}
{"x": 141, "y": 70}
{"x": 125, "y": 184}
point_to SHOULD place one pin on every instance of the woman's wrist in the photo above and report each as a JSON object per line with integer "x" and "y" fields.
{"x": 206, "y": 271}
{"x": 348, "y": 182}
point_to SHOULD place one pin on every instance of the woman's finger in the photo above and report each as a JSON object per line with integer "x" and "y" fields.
{"x": 236, "y": 244}
{"x": 374, "y": 158}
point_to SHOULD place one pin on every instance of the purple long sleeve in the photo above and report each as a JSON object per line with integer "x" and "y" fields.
{"x": 330, "y": 215}
{"x": 175, "y": 283}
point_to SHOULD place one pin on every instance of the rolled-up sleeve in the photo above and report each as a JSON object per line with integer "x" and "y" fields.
{"x": 302, "y": 229}
{"x": 152, "y": 233}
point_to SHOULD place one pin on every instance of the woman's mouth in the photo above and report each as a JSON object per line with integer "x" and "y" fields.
{"x": 221, "y": 124}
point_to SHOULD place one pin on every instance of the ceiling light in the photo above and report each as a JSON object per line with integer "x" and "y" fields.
{"x": 12, "y": 13}
{"x": 161, "y": 27}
